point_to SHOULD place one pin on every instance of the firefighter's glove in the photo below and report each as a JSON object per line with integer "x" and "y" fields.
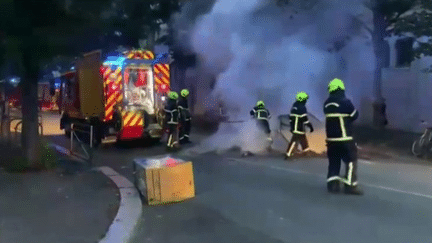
{"x": 310, "y": 127}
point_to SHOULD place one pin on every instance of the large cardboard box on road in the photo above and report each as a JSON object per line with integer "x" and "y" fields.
{"x": 162, "y": 183}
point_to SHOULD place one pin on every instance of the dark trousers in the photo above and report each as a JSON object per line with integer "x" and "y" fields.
{"x": 346, "y": 152}
{"x": 264, "y": 125}
{"x": 172, "y": 135}
{"x": 295, "y": 140}
{"x": 185, "y": 127}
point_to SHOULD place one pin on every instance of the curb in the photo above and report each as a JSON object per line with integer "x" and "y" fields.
{"x": 129, "y": 212}
{"x": 130, "y": 208}
{"x": 66, "y": 152}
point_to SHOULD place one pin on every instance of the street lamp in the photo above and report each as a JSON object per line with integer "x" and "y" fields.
{"x": 15, "y": 81}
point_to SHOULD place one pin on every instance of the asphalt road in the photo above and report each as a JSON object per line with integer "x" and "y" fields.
{"x": 266, "y": 199}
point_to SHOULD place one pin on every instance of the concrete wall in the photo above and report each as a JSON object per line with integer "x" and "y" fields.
{"x": 408, "y": 92}
{"x": 360, "y": 90}
{"x": 409, "y": 97}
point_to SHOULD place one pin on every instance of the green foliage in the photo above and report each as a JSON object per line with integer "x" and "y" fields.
{"x": 48, "y": 25}
{"x": 38, "y": 13}
{"x": 392, "y": 9}
{"x": 15, "y": 161}
{"x": 143, "y": 18}
{"x": 417, "y": 24}
{"x": 47, "y": 156}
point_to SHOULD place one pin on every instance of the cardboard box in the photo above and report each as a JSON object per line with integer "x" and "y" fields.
{"x": 162, "y": 183}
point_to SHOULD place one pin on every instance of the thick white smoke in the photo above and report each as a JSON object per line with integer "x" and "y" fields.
{"x": 260, "y": 51}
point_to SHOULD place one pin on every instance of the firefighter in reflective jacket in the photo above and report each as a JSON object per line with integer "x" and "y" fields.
{"x": 262, "y": 115}
{"x": 185, "y": 117}
{"x": 171, "y": 119}
{"x": 298, "y": 121}
{"x": 340, "y": 113}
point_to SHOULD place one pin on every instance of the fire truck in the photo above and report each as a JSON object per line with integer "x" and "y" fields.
{"x": 120, "y": 98}
{"x": 46, "y": 101}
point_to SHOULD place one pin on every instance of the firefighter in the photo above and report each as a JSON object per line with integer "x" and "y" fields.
{"x": 185, "y": 117}
{"x": 298, "y": 121}
{"x": 340, "y": 113}
{"x": 171, "y": 119}
{"x": 262, "y": 115}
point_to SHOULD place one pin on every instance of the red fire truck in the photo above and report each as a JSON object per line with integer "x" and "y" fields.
{"x": 46, "y": 101}
{"x": 121, "y": 97}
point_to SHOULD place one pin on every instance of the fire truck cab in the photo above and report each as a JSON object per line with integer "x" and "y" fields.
{"x": 121, "y": 97}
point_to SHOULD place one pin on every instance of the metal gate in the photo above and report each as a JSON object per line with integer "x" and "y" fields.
{"x": 82, "y": 141}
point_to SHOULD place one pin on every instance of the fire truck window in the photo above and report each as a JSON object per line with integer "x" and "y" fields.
{"x": 40, "y": 92}
{"x": 71, "y": 88}
{"x": 126, "y": 76}
{"x": 66, "y": 89}
{"x": 133, "y": 76}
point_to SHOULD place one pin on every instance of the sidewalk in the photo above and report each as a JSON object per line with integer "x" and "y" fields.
{"x": 387, "y": 144}
{"x": 67, "y": 204}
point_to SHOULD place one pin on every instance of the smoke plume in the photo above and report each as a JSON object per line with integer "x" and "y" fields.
{"x": 261, "y": 51}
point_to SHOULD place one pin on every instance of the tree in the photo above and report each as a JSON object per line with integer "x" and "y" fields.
{"x": 416, "y": 23}
{"x": 141, "y": 19}
{"x": 390, "y": 17}
{"x": 41, "y": 29}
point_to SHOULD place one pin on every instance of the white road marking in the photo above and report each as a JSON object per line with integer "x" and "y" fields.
{"x": 323, "y": 176}
{"x": 397, "y": 190}
{"x": 366, "y": 162}
{"x": 276, "y": 167}
{"x": 129, "y": 211}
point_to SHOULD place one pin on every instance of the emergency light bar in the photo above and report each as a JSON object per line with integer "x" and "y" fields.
{"x": 114, "y": 61}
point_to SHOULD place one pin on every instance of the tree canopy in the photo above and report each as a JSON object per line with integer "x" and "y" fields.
{"x": 139, "y": 19}
{"x": 416, "y": 22}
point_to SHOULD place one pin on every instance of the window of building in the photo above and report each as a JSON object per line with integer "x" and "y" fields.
{"x": 405, "y": 52}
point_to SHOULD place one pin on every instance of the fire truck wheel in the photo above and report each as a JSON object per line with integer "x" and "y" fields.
{"x": 97, "y": 132}
{"x": 67, "y": 133}
{"x": 117, "y": 121}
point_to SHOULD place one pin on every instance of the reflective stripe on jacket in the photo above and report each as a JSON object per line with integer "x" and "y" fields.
{"x": 298, "y": 118}
{"x": 260, "y": 113}
{"x": 184, "y": 109}
{"x": 340, "y": 113}
{"x": 171, "y": 112}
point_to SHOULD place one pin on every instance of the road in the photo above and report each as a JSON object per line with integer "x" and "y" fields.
{"x": 266, "y": 199}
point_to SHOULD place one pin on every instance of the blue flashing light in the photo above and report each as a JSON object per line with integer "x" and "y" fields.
{"x": 161, "y": 58}
{"x": 115, "y": 61}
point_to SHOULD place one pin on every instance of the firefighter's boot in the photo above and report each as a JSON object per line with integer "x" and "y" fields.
{"x": 247, "y": 154}
{"x": 333, "y": 186}
{"x": 353, "y": 190}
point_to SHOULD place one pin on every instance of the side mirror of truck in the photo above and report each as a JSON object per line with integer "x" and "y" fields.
{"x": 52, "y": 87}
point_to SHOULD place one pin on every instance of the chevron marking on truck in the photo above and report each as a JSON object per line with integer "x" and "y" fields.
{"x": 119, "y": 84}
{"x": 161, "y": 74}
{"x": 132, "y": 119}
{"x": 113, "y": 96}
{"x": 148, "y": 55}
{"x": 139, "y": 54}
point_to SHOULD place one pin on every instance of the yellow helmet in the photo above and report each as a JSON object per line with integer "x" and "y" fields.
{"x": 184, "y": 92}
{"x": 302, "y": 96}
{"x": 260, "y": 103}
{"x": 173, "y": 95}
{"x": 336, "y": 84}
